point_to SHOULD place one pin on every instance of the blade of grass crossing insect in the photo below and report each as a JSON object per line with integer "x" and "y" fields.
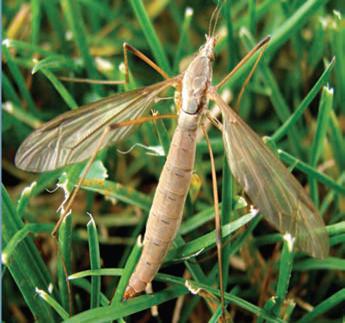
{"x": 18, "y": 79}
{"x": 304, "y": 104}
{"x": 94, "y": 262}
{"x": 151, "y": 36}
{"x": 277, "y": 99}
{"x": 75, "y": 20}
{"x": 322, "y": 126}
{"x": 311, "y": 171}
{"x": 25, "y": 264}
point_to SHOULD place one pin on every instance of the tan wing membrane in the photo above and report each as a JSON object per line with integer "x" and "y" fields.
{"x": 270, "y": 186}
{"x": 73, "y": 136}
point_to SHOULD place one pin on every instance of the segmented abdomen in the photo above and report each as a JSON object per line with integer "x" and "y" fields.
{"x": 167, "y": 208}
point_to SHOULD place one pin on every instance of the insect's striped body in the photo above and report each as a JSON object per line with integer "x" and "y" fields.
{"x": 167, "y": 208}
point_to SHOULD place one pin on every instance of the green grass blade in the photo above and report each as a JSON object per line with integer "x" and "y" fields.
{"x": 95, "y": 261}
{"x": 24, "y": 263}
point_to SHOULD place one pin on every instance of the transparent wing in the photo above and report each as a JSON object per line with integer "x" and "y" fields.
{"x": 270, "y": 186}
{"x": 73, "y": 136}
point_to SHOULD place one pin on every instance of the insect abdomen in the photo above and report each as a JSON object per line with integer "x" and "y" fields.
{"x": 167, "y": 208}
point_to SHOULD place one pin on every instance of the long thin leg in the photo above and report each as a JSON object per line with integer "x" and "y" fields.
{"x": 244, "y": 60}
{"x": 126, "y": 47}
{"x": 217, "y": 220}
{"x": 81, "y": 179}
{"x": 245, "y": 84}
{"x": 148, "y": 61}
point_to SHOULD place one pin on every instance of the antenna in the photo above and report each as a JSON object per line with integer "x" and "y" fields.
{"x": 214, "y": 18}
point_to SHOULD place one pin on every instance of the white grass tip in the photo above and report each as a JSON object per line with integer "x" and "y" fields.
{"x": 140, "y": 241}
{"x": 41, "y": 293}
{"x": 112, "y": 200}
{"x": 92, "y": 221}
{"x": 28, "y": 190}
{"x": 122, "y": 68}
{"x": 7, "y": 42}
{"x": 191, "y": 288}
{"x": 8, "y": 107}
{"x": 195, "y": 254}
{"x": 337, "y": 14}
{"x": 151, "y": 150}
{"x": 4, "y": 258}
{"x": 253, "y": 210}
{"x": 104, "y": 64}
{"x": 242, "y": 201}
{"x": 50, "y": 288}
{"x": 290, "y": 240}
{"x": 329, "y": 90}
{"x": 68, "y": 35}
{"x": 244, "y": 32}
{"x": 189, "y": 12}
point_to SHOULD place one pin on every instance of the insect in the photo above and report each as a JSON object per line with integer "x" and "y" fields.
{"x": 74, "y": 136}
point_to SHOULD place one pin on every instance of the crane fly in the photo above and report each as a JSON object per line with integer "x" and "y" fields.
{"x": 74, "y": 137}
